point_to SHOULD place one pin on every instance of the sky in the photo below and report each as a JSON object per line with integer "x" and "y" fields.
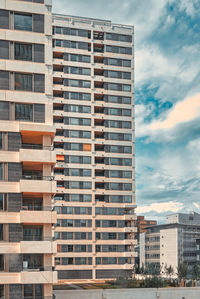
{"x": 167, "y": 97}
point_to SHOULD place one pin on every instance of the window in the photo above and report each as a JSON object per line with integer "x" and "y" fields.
{"x": 74, "y": 159}
{"x": 1, "y": 262}
{"x": 113, "y": 61}
{"x": 85, "y": 71}
{"x": 33, "y": 291}
{"x": 23, "y": 22}
{"x": 1, "y": 232}
{"x": 32, "y": 233}
{"x": 23, "y": 82}
{"x": 74, "y": 83}
{"x": 113, "y": 86}
{"x": 24, "y": 112}
{"x": 85, "y": 58}
{"x": 1, "y": 141}
{"x": 86, "y": 84}
{"x": 1, "y": 172}
{"x": 2, "y": 291}
{"x": 73, "y": 57}
{"x": 126, "y": 63}
{"x": 35, "y": 261}
{"x": 126, "y": 87}
{"x": 74, "y": 70}
{"x": 23, "y": 51}
{"x": 3, "y": 201}
{"x": 86, "y": 147}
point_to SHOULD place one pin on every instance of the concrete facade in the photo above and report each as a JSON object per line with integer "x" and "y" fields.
{"x": 93, "y": 71}
{"x": 26, "y": 156}
{"x": 167, "y": 293}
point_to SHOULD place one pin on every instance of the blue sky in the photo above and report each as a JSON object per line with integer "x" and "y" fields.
{"x": 167, "y": 97}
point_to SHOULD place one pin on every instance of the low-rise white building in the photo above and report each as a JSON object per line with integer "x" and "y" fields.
{"x": 171, "y": 244}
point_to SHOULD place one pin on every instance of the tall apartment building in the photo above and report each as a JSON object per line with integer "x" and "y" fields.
{"x": 172, "y": 243}
{"x": 93, "y": 88}
{"x": 26, "y": 156}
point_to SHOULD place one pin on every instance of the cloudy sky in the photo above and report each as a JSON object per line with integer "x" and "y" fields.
{"x": 167, "y": 95}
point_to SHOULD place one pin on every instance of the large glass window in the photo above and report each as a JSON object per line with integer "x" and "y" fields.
{"x": 1, "y": 140}
{"x": 1, "y": 201}
{"x": 85, "y": 58}
{"x": 126, "y": 87}
{"x": 85, "y": 71}
{"x": 86, "y": 160}
{"x": 23, "y": 82}
{"x": 1, "y": 232}
{"x": 23, "y": 22}
{"x": 2, "y": 291}
{"x": 24, "y": 112}
{"x": 1, "y": 262}
{"x": 1, "y": 171}
{"x": 23, "y": 51}
{"x": 126, "y": 63}
{"x": 86, "y": 84}
{"x": 73, "y": 83}
{"x": 33, "y": 291}
{"x": 74, "y": 57}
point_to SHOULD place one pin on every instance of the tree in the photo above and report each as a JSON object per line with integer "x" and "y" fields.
{"x": 169, "y": 271}
{"x": 195, "y": 273}
{"x": 182, "y": 271}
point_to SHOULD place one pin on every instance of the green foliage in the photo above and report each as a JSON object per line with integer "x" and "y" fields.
{"x": 182, "y": 271}
{"x": 148, "y": 282}
{"x": 195, "y": 272}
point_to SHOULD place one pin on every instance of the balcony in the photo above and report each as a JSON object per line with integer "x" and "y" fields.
{"x": 37, "y": 153}
{"x": 35, "y": 277}
{"x": 46, "y": 245}
{"x": 44, "y": 217}
{"x": 37, "y": 184}
{"x": 30, "y": 277}
{"x": 130, "y": 229}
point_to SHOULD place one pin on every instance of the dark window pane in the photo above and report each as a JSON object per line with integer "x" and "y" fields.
{"x": 1, "y": 171}
{"x": 1, "y": 141}
{"x": 23, "y": 22}
{"x": 24, "y": 112}
{"x": 23, "y": 82}
{"x": 23, "y": 51}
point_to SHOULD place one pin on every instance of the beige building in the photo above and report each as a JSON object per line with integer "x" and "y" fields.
{"x": 26, "y": 156}
{"x": 93, "y": 88}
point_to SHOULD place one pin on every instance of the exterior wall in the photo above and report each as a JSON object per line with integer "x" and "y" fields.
{"x": 172, "y": 293}
{"x": 169, "y": 240}
{"x": 142, "y": 249}
{"x": 97, "y": 106}
{"x": 26, "y": 183}
{"x": 192, "y": 218}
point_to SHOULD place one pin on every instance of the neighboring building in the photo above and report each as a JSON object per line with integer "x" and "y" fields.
{"x": 93, "y": 91}
{"x": 26, "y": 156}
{"x": 172, "y": 243}
{"x": 142, "y": 223}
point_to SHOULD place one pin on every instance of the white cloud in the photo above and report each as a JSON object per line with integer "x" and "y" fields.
{"x": 160, "y": 207}
{"x": 183, "y": 111}
{"x": 188, "y": 6}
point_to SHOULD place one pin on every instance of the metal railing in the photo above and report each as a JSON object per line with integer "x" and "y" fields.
{"x": 36, "y": 208}
{"x": 36, "y": 146}
{"x": 37, "y": 177}
{"x": 37, "y": 238}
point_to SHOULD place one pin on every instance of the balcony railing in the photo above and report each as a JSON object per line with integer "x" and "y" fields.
{"x": 37, "y": 238}
{"x": 36, "y": 208}
{"x": 36, "y": 146}
{"x": 37, "y": 177}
